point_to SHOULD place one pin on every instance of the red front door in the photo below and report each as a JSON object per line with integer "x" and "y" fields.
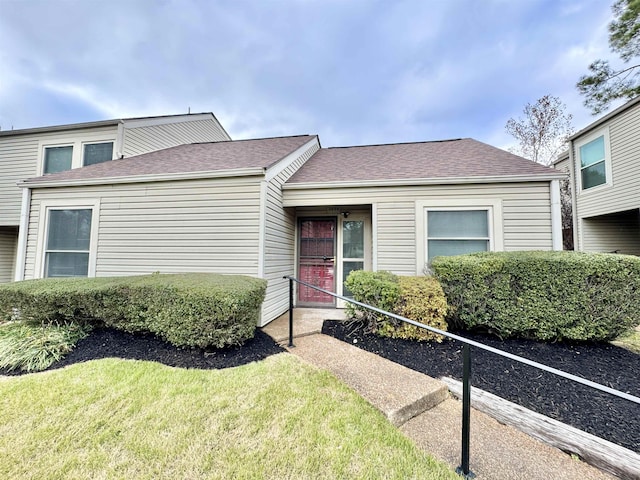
{"x": 316, "y": 264}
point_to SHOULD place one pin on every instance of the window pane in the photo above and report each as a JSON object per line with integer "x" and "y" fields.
{"x": 63, "y": 264}
{"x": 347, "y": 268}
{"x": 69, "y": 230}
{"x": 594, "y": 175}
{"x": 57, "y": 159}
{"x": 592, "y": 152}
{"x": 97, "y": 153}
{"x": 455, "y": 247}
{"x": 457, "y": 224}
{"x": 353, "y": 239}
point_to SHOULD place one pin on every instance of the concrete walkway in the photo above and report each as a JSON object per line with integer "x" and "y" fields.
{"x": 422, "y": 408}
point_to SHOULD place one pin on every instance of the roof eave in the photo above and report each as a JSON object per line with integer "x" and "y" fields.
{"x": 606, "y": 118}
{"x": 60, "y": 128}
{"x": 164, "y": 177}
{"x": 426, "y": 181}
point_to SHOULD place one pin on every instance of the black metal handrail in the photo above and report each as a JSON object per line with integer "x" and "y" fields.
{"x": 463, "y": 469}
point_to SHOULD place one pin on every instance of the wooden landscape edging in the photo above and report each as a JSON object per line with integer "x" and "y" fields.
{"x": 595, "y": 451}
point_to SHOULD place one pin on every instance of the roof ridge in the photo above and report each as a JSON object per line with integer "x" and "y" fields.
{"x": 400, "y": 143}
{"x": 253, "y": 139}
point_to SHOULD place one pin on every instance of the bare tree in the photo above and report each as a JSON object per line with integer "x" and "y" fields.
{"x": 543, "y": 131}
{"x": 543, "y": 135}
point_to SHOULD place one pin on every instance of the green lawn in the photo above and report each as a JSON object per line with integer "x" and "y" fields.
{"x": 630, "y": 341}
{"x": 276, "y": 419}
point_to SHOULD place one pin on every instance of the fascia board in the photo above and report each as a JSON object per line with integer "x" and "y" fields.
{"x": 427, "y": 181}
{"x": 237, "y": 172}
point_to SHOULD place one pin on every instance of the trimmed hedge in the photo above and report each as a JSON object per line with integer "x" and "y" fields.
{"x": 194, "y": 310}
{"x": 417, "y": 298}
{"x": 542, "y": 295}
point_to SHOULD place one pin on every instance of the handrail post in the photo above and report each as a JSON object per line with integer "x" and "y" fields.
{"x": 291, "y": 312}
{"x": 463, "y": 469}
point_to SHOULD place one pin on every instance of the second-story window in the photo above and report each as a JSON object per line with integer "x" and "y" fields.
{"x": 97, "y": 153}
{"x": 592, "y": 163}
{"x": 57, "y": 159}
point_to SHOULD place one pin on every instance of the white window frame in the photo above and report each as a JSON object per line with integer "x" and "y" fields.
{"x": 602, "y": 132}
{"x": 78, "y": 143}
{"x": 84, "y": 145}
{"x": 494, "y": 215}
{"x": 44, "y": 153}
{"x": 43, "y": 231}
{"x": 340, "y": 259}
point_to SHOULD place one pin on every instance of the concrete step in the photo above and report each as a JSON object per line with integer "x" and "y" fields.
{"x": 397, "y": 391}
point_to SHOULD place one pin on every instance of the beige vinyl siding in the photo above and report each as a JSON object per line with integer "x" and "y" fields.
{"x": 279, "y": 242}
{"x": 624, "y": 192}
{"x": 526, "y": 209}
{"x": 138, "y": 140}
{"x": 21, "y": 157}
{"x": 617, "y": 232}
{"x": 168, "y": 227}
{"x": 18, "y": 161}
{"x": 563, "y": 165}
{"x": 8, "y": 245}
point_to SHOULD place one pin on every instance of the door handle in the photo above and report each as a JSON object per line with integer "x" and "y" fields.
{"x": 326, "y": 259}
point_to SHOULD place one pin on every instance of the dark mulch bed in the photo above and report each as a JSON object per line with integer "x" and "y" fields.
{"x": 104, "y": 343}
{"x": 601, "y": 414}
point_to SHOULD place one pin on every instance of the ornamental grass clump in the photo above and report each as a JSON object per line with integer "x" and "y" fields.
{"x": 32, "y": 348}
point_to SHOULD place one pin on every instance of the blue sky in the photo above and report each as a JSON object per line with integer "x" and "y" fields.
{"x": 354, "y": 72}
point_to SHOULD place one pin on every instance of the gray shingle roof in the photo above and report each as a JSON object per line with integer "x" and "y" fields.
{"x": 425, "y": 160}
{"x": 196, "y": 157}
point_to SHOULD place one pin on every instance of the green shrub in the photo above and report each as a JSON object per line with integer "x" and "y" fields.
{"x": 542, "y": 295}
{"x": 33, "y": 348}
{"x": 421, "y": 299}
{"x": 379, "y": 289}
{"x": 417, "y": 298}
{"x": 195, "y": 310}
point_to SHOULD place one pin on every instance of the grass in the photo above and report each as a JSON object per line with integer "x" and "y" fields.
{"x": 275, "y": 419}
{"x": 629, "y": 340}
{"x": 33, "y": 348}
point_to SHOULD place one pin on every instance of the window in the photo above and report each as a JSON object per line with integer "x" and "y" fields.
{"x": 68, "y": 243}
{"x": 58, "y": 159}
{"x": 352, "y": 250}
{"x": 97, "y": 153}
{"x": 593, "y": 163}
{"x": 456, "y": 232}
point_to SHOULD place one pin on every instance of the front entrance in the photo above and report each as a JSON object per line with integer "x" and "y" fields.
{"x": 317, "y": 260}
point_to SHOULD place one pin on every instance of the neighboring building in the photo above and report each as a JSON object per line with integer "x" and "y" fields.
{"x": 37, "y": 151}
{"x": 604, "y": 163}
{"x": 285, "y": 206}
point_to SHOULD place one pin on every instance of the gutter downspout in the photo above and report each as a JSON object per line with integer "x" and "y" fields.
{"x": 23, "y": 233}
{"x": 556, "y": 216}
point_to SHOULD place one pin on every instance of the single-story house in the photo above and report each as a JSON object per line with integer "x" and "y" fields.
{"x": 285, "y": 206}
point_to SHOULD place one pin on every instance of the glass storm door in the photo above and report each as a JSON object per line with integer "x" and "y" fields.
{"x": 316, "y": 260}
{"x": 353, "y": 251}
